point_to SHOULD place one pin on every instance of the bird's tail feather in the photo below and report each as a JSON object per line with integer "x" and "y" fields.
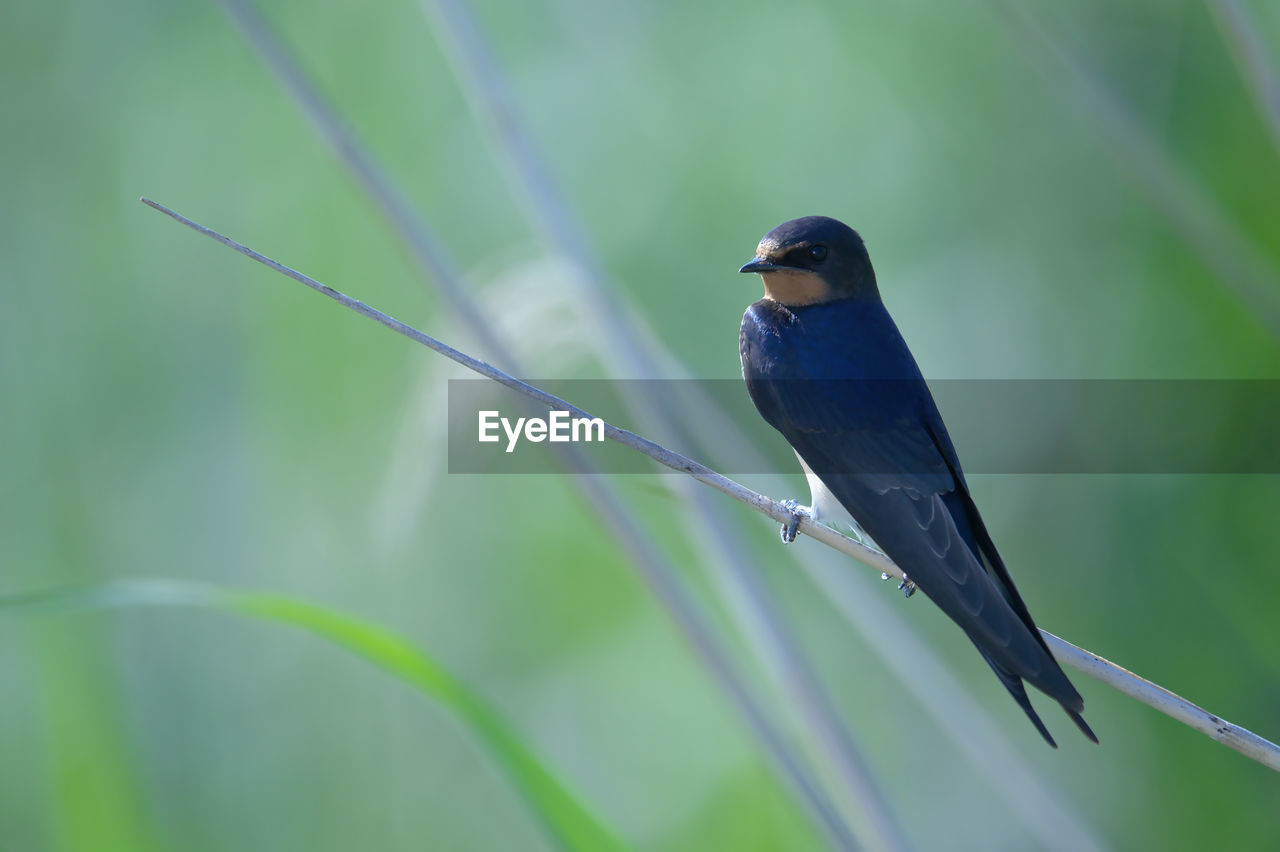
{"x": 1013, "y": 683}
{"x": 1081, "y": 723}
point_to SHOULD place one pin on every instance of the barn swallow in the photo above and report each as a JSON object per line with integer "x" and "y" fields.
{"x": 827, "y": 367}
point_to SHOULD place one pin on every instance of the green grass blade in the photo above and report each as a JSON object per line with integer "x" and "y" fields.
{"x": 567, "y": 820}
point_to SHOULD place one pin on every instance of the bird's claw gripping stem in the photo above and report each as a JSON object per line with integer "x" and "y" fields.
{"x": 798, "y": 513}
{"x": 907, "y": 587}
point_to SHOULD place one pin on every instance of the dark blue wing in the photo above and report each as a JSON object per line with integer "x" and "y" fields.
{"x": 840, "y": 385}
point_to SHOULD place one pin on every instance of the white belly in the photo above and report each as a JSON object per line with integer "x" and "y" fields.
{"x": 825, "y": 508}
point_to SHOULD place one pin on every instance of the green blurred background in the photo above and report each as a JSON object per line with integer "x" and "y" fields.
{"x": 1046, "y": 192}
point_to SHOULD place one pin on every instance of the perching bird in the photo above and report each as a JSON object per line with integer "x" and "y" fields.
{"x": 826, "y": 366}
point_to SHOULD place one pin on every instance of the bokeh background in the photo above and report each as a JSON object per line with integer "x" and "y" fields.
{"x": 1086, "y": 190}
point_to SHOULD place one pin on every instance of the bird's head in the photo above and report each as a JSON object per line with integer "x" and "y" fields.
{"x": 813, "y": 260}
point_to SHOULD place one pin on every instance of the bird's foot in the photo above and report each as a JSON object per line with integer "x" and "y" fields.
{"x": 798, "y": 513}
{"x": 907, "y": 587}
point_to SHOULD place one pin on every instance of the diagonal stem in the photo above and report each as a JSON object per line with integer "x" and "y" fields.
{"x": 732, "y": 569}
{"x": 608, "y": 506}
{"x": 1233, "y": 736}
{"x": 1240, "y": 30}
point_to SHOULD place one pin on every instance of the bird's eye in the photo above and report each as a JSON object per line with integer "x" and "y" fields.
{"x": 818, "y": 252}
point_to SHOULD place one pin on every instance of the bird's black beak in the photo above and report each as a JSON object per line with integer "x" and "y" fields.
{"x": 759, "y": 264}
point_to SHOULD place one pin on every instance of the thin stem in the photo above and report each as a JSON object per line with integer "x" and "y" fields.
{"x": 608, "y": 506}
{"x": 755, "y": 615}
{"x": 1222, "y": 245}
{"x": 1233, "y": 736}
{"x": 733, "y": 571}
{"x": 426, "y": 251}
{"x": 941, "y": 695}
{"x": 1240, "y": 29}
{"x": 1175, "y": 706}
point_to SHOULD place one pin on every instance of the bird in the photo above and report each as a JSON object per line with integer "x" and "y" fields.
{"x": 826, "y": 367}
